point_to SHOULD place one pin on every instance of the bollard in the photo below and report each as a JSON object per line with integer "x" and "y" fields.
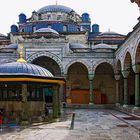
{"x": 72, "y": 122}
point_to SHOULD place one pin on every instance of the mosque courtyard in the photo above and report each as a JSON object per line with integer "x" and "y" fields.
{"x": 89, "y": 124}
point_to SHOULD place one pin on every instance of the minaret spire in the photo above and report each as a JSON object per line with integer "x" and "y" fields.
{"x": 56, "y": 2}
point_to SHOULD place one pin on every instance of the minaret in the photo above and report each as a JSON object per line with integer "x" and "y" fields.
{"x": 56, "y": 2}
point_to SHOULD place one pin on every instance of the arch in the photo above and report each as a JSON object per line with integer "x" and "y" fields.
{"x": 127, "y": 61}
{"x": 137, "y": 54}
{"x": 118, "y": 66}
{"x": 100, "y": 62}
{"x": 34, "y": 56}
{"x": 77, "y": 85}
{"x": 89, "y": 69}
{"x": 104, "y": 83}
{"x": 136, "y": 46}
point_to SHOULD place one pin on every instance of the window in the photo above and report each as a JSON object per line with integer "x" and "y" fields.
{"x": 48, "y": 17}
{"x": 39, "y": 16}
{"x": 35, "y": 93}
{"x": 34, "y": 29}
{"x": 10, "y": 92}
{"x": 49, "y": 26}
{"x": 58, "y": 17}
{"x": 65, "y": 28}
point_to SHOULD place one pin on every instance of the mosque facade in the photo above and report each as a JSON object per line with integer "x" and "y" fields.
{"x": 99, "y": 67}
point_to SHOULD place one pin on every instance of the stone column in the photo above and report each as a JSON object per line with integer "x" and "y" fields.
{"x": 137, "y": 90}
{"x": 125, "y": 92}
{"x": 136, "y": 69}
{"x": 125, "y": 74}
{"x": 24, "y": 107}
{"x": 117, "y": 77}
{"x": 56, "y": 101}
{"x": 91, "y": 98}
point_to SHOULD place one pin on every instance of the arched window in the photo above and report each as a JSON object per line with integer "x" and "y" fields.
{"x": 48, "y": 17}
{"x": 49, "y": 26}
{"x": 65, "y": 28}
{"x": 33, "y": 28}
{"x": 39, "y": 16}
{"x": 58, "y": 17}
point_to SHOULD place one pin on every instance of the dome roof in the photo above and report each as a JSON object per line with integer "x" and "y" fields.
{"x": 110, "y": 34}
{"x": 77, "y": 46}
{"x": 46, "y": 30}
{"x": 26, "y": 69}
{"x": 2, "y": 36}
{"x": 12, "y": 46}
{"x": 55, "y": 8}
{"x": 102, "y": 46}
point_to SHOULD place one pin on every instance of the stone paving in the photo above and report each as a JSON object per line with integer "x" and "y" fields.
{"x": 95, "y": 124}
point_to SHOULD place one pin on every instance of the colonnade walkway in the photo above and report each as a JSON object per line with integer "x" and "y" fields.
{"x": 89, "y": 124}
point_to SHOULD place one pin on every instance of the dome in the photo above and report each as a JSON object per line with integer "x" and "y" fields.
{"x": 55, "y": 8}
{"x": 26, "y": 69}
{"x": 12, "y": 46}
{"x": 46, "y": 30}
{"x": 101, "y": 46}
{"x": 77, "y": 46}
{"x": 2, "y": 36}
{"x": 109, "y": 34}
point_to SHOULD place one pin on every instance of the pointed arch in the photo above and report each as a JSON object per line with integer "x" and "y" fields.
{"x": 34, "y": 56}
{"x": 102, "y": 61}
{"x": 127, "y": 62}
{"x": 89, "y": 69}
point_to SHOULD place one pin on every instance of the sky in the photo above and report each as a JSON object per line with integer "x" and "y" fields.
{"x": 115, "y": 15}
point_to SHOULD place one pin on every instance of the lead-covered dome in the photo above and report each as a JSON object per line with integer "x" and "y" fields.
{"x": 102, "y": 47}
{"x": 26, "y": 69}
{"x": 110, "y": 34}
{"x": 55, "y": 8}
{"x": 46, "y": 30}
{"x": 77, "y": 46}
{"x": 2, "y": 36}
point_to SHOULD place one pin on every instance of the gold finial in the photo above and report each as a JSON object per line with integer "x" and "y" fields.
{"x": 21, "y": 55}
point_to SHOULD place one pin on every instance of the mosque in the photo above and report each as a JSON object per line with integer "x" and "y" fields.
{"x": 100, "y": 68}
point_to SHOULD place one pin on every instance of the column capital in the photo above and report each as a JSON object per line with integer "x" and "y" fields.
{"x": 91, "y": 76}
{"x": 136, "y": 68}
{"x": 125, "y": 73}
{"x": 117, "y": 76}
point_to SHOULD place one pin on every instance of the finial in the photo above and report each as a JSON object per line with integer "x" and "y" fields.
{"x": 21, "y": 55}
{"x": 56, "y": 2}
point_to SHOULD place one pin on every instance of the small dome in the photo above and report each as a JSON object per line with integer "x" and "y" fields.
{"x": 77, "y": 46}
{"x": 46, "y": 30}
{"x": 110, "y": 34}
{"x": 101, "y": 46}
{"x": 12, "y": 46}
{"x": 2, "y": 36}
{"x": 55, "y": 8}
{"x": 18, "y": 68}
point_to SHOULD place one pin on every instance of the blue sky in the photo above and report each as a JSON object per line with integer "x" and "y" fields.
{"x": 117, "y": 15}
